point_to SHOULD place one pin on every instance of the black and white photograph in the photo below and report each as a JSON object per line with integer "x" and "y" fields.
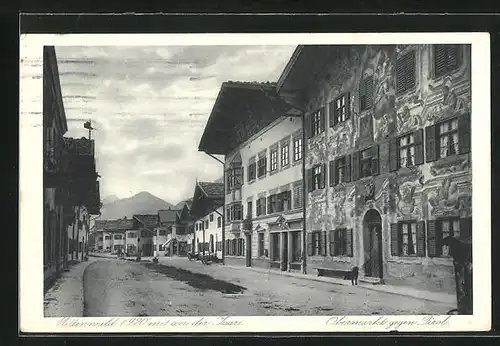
{"x": 246, "y": 178}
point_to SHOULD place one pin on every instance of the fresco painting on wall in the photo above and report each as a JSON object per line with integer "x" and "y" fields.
{"x": 449, "y": 105}
{"x": 385, "y": 87}
{"x": 447, "y": 198}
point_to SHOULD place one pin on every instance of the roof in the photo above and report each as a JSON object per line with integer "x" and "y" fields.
{"x": 212, "y": 190}
{"x": 167, "y": 215}
{"x": 117, "y": 225}
{"x": 241, "y": 110}
{"x": 306, "y": 64}
{"x": 79, "y": 146}
{"x": 148, "y": 220}
{"x": 51, "y": 67}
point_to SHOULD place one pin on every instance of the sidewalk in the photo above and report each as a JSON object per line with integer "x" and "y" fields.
{"x": 398, "y": 290}
{"x": 65, "y": 297}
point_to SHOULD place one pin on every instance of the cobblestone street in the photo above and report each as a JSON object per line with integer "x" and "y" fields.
{"x": 178, "y": 287}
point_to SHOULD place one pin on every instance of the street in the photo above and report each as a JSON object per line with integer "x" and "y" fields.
{"x": 115, "y": 287}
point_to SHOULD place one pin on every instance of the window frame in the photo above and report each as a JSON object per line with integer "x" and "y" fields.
{"x": 262, "y": 167}
{"x": 449, "y": 134}
{"x": 316, "y": 123}
{"x": 362, "y": 160}
{"x": 273, "y": 157}
{"x": 340, "y": 114}
{"x": 297, "y": 149}
{"x": 448, "y": 68}
{"x": 317, "y": 177}
{"x": 285, "y": 154}
{"x": 260, "y": 244}
{"x": 408, "y": 223}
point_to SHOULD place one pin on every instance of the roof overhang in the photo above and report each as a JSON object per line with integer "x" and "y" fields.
{"x": 238, "y": 102}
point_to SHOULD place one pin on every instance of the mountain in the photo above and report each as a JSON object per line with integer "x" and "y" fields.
{"x": 181, "y": 203}
{"x": 141, "y": 203}
{"x": 110, "y": 199}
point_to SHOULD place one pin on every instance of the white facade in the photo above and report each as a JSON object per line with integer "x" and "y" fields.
{"x": 208, "y": 231}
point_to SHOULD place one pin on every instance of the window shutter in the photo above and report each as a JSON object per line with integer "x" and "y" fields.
{"x": 332, "y": 172}
{"x": 323, "y": 243}
{"x": 309, "y": 244}
{"x": 355, "y": 166}
{"x": 323, "y": 175}
{"x": 331, "y": 235}
{"x": 348, "y": 242}
{"x": 394, "y": 239}
{"x": 419, "y": 147}
{"x": 347, "y": 173}
{"x": 430, "y": 143}
{"x": 439, "y": 59}
{"x": 466, "y": 228}
{"x": 322, "y": 119}
{"x": 432, "y": 234}
{"x": 242, "y": 175}
{"x": 308, "y": 123}
{"x": 309, "y": 180}
{"x": 347, "y": 105}
{"x": 421, "y": 239}
{"x": 331, "y": 109}
{"x": 393, "y": 155}
{"x": 375, "y": 161}
{"x": 464, "y": 130}
{"x": 269, "y": 205}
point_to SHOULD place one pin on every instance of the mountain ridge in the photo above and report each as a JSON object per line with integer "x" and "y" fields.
{"x": 143, "y": 202}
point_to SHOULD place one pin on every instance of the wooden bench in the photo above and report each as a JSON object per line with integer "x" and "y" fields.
{"x": 340, "y": 273}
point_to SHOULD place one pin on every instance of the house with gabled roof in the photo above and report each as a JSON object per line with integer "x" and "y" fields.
{"x": 111, "y": 235}
{"x": 207, "y": 211}
{"x": 145, "y": 224}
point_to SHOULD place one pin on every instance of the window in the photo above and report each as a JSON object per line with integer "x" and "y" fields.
{"x": 339, "y": 110}
{"x": 297, "y": 149}
{"x": 108, "y": 237}
{"x": 211, "y": 217}
{"x": 132, "y": 235}
{"x": 316, "y": 243}
{"x": 240, "y": 251}
{"x": 196, "y": 226}
{"x": 206, "y": 224}
{"x": 117, "y": 237}
{"x": 262, "y": 166}
{"x": 219, "y": 222}
{"x": 449, "y": 228}
{"x": 284, "y": 154}
{"x": 368, "y": 162}
{"x": 249, "y": 209}
{"x": 447, "y": 138}
{"x": 261, "y": 244}
{"x": 284, "y": 200}
{"x": 298, "y": 196}
{"x": 340, "y": 170}
{"x": 341, "y": 242}
{"x": 235, "y": 177}
{"x": 405, "y": 72}
{"x": 260, "y": 206}
{"x": 251, "y": 171}
{"x": 274, "y": 160}
{"x": 228, "y": 214}
{"x": 236, "y": 212}
{"x": 408, "y": 239}
{"x": 100, "y": 238}
{"x": 366, "y": 93}
{"x": 162, "y": 232}
{"x": 272, "y": 204}
{"x": 316, "y": 123}
{"x": 446, "y": 58}
{"x": 316, "y": 178}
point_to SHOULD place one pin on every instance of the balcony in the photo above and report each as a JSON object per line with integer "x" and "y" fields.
{"x": 53, "y": 163}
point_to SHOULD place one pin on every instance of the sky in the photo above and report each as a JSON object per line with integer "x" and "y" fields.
{"x": 149, "y": 106}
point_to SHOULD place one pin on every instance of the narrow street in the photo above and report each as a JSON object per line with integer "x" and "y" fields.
{"x": 125, "y": 288}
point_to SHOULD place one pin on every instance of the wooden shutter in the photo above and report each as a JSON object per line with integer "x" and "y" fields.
{"x": 331, "y": 109}
{"x": 430, "y": 143}
{"x": 331, "y": 237}
{"x": 309, "y": 180}
{"x": 269, "y": 204}
{"x": 323, "y": 175}
{"x": 375, "y": 161}
{"x": 322, "y": 119}
{"x": 355, "y": 166}
{"x": 421, "y": 239}
{"x": 394, "y": 239}
{"x": 347, "y": 105}
{"x": 466, "y": 227}
{"x": 419, "y": 147}
{"x": 323, "y": 243}
{"x": 242, "y": 175}
{"x": 464, "y": 133}
{"x": 439, "y": 59}
{"x": 348, "y": 242}
{"x": 332, "y": 172}
{"x": 308, "y": 124}
{"x": 393, "y": 155}
{"x": 347, "y": 171}
{"x": 432, "y": 234}
{"x": 309, "y": 244}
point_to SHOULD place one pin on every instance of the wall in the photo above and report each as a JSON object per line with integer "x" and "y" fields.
{"x": 212, "y": 230}
{"x": 278, "y": 133}
{"x": 424, "y": 192}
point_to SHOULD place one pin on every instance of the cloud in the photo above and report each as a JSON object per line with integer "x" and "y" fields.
{"x": 150, "y": 106}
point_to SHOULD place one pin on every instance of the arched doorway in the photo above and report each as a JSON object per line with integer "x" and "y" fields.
{"x": 372, "y": 241}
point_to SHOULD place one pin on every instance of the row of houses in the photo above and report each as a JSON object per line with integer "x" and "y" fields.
{"x": 70, "y": 181}
{"x": 358, "y": 155}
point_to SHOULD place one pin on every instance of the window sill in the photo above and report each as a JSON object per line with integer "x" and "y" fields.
{"x": 297, "y": 162}
{"x": 262, "y": 176}
{"x": 273, "y": 172}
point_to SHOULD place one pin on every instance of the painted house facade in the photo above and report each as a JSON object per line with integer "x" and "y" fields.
{"x": 116, "y": 236}
{"x": 166, "y": 222}
{"x": 145, "y": 225}
{"x": 207, "y": 211}
{"x": 388, "y": 157}
{"x": 262, "y": 150}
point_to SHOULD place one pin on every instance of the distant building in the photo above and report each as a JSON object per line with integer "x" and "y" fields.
{"x": 116, "y": 236}
{"x": 145, "y": 225}
{"x": 207, "y": 211}
{"x": 166, "y": 221}
{"x": 263, "y": 175}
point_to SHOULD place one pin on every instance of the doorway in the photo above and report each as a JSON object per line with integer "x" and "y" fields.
{"x": 248, "y": 251}
{"x": 284, "y": 259}
{"x": 372, "y": 241}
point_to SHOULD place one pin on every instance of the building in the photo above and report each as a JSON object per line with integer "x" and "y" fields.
{"x": 262, "y": 148}
{"x": 387, "y": 158}
{"x": 166, "y": 221}
{"x": 116, "y": 236}
{"x": 207, "y": 211}
{"x": 71, "y": 188}
{"x": 144, "y": 225}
